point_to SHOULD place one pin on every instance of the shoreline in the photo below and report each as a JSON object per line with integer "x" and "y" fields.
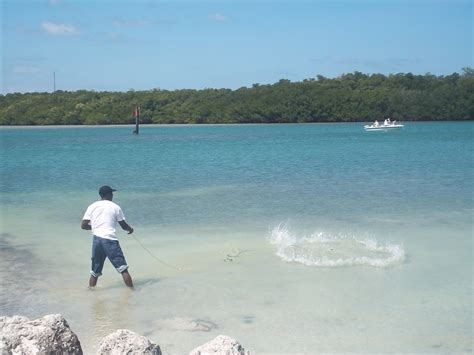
{"x": 130, "y": 125}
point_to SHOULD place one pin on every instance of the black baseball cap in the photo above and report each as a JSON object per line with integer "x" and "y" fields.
{"x": 104, "y": 190}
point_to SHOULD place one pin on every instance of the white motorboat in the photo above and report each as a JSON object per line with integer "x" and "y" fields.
{"x": 383, "y": 127}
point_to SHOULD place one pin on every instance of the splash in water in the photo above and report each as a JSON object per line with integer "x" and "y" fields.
{"x": 326, "y": 250}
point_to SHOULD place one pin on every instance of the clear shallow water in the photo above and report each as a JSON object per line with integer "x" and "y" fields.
{"x": 290, "y": 238}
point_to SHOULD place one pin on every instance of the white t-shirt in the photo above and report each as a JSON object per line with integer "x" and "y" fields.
{"x": 104, "y": 215}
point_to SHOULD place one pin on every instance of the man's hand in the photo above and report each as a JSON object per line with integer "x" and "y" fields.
{"x": 125, "y": 226}
{"x": 86, "y": 224}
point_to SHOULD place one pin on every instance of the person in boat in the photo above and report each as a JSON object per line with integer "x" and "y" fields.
{"x": 385, "y": 122}
{"x": 376, "y": 123}
{"x": 101, "y": 217}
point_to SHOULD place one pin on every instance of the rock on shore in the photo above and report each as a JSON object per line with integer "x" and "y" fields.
{"x": 50, "y": 334}
{"x": 124, "y": 341}
{"x": 221, "y": 345}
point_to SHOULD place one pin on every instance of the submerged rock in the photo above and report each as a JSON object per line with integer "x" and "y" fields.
{"x": 47, "y": 335}
{"x": 124, "y": 341}
{"x": 221, "y": 345}
{"x": 186, "y": 324}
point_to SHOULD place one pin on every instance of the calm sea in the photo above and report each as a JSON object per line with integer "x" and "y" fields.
{"x": 290, "y": 238}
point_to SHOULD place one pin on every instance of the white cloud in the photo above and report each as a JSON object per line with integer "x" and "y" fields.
{"x": 218, "y": 17}
{"x": 59, "y": 28}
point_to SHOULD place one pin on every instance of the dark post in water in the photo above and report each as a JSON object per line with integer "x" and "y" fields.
{"x": 136, "y": 113}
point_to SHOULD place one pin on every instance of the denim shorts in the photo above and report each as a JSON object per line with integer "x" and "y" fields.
{"x": 105, "y": 248}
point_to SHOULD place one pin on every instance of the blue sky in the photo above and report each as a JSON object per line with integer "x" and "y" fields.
{"x": 123, "y": 44}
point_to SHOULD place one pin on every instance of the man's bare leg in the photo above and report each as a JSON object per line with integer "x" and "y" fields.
{"x": 92, "y": 281}
{"x": 127, "y": 279}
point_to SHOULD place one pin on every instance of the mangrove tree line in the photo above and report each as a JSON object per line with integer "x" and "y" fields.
{"x": 349, "y": 97}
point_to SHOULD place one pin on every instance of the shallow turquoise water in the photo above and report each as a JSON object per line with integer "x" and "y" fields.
{"x": 313, "y": 212}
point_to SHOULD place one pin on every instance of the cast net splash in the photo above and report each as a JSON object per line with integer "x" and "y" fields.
{"x": 326, "y": 250}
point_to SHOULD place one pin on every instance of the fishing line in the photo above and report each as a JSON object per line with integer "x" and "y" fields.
{"x": 155, "y": 257}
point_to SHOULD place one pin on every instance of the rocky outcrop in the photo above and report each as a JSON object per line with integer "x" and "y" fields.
{"x": 221, "y": 345}
{"x": 124, "y": 341}
{"x": 50, "y": 334}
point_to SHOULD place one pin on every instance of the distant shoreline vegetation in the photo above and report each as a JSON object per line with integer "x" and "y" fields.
{"x": 354, "y": 97}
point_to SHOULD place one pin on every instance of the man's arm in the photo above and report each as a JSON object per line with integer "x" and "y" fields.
{"x": 126, "y": 227}
{"x": 86, "y": 224}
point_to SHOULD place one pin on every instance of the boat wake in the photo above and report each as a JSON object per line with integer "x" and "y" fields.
{"x": 324, "y": 250}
